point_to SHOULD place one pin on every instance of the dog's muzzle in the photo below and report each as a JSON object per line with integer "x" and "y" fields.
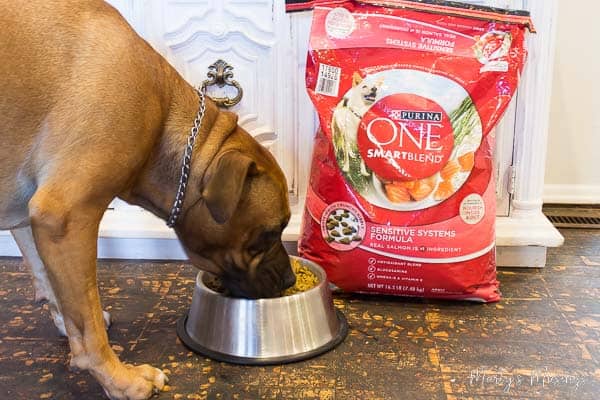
{"x": 273, "y": 275}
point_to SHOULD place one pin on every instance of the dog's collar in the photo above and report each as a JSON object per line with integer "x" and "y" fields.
{"x": 186, "y": 163}
{"x": 357, "y": 115}
{"x": 351, "y": 109}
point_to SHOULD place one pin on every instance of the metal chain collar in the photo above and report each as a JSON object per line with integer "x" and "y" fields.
{"x": 187, "y": 161}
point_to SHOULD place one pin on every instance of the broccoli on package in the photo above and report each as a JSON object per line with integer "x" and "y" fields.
{"x": 402, "y": 197}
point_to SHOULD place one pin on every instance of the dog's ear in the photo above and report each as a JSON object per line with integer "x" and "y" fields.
{"x": 356, "y": 79}
{"x": 224, "y": 184}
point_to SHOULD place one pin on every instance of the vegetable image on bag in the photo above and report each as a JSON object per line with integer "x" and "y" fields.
{"x": 401, "y": 197}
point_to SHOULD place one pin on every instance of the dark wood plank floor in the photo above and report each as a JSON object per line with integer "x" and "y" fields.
{"x": 542, "y": 341}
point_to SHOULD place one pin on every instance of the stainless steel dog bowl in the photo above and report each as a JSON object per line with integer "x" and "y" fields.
{"x": 263, "y": 331}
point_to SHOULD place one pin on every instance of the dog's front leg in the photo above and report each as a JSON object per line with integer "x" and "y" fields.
{"x": 66, "y": 238}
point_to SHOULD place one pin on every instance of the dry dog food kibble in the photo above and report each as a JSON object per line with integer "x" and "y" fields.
{"x": 214, "y": 283}
{"x": 402, "y": 197}
{"x": 305, "y": 280}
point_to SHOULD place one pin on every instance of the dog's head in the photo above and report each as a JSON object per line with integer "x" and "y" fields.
{"x": 367, "y": 93}
{"x": 234, "y": 227}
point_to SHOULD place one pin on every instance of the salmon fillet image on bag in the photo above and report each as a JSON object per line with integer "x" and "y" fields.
{"x": 401, "y": 197}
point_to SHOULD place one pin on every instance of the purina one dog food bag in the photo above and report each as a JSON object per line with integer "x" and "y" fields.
{"x": 402, "y": 197}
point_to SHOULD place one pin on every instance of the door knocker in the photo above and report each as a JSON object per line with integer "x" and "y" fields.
{"x": 220, "y": 73}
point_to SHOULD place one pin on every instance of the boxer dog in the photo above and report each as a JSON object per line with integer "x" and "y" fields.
{"x": 90, "y": 112}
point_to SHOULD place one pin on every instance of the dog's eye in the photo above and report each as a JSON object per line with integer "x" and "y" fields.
{"x": 263, "y": 242}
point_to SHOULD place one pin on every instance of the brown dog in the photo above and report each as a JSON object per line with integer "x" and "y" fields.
{"x": 90, "y": 112}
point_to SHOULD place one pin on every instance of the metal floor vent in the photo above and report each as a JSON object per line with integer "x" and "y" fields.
{"x": 567, "y": 221}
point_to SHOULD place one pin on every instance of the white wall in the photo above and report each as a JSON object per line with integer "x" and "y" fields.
{"x": 573, "y": 166}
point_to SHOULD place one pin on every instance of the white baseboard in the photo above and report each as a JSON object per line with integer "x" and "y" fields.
{"x": 521, "y": 256}
{"x": 8, "y": 247}
{"x": 572, "y": 194}
{"x": 116, "y": 248}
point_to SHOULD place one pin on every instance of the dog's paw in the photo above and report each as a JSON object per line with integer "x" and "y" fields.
{"x": 41, "y": 289}
{"x": 136, "y": 383}
{"x": 40, "y": 295}
{"x": 363, "y": 170}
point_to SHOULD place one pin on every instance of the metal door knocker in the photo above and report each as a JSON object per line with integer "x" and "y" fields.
{"x": 220, "y": 73}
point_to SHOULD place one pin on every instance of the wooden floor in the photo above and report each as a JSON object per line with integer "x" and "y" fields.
{"x": 542, "y": 341}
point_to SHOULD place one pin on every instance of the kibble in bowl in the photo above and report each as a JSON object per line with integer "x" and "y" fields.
{"x": 305, "y": 280}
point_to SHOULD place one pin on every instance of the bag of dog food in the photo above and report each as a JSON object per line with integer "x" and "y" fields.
{"x": 402, "y": 197}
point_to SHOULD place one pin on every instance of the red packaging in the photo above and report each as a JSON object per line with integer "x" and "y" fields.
{"x": 402, "y": 198}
